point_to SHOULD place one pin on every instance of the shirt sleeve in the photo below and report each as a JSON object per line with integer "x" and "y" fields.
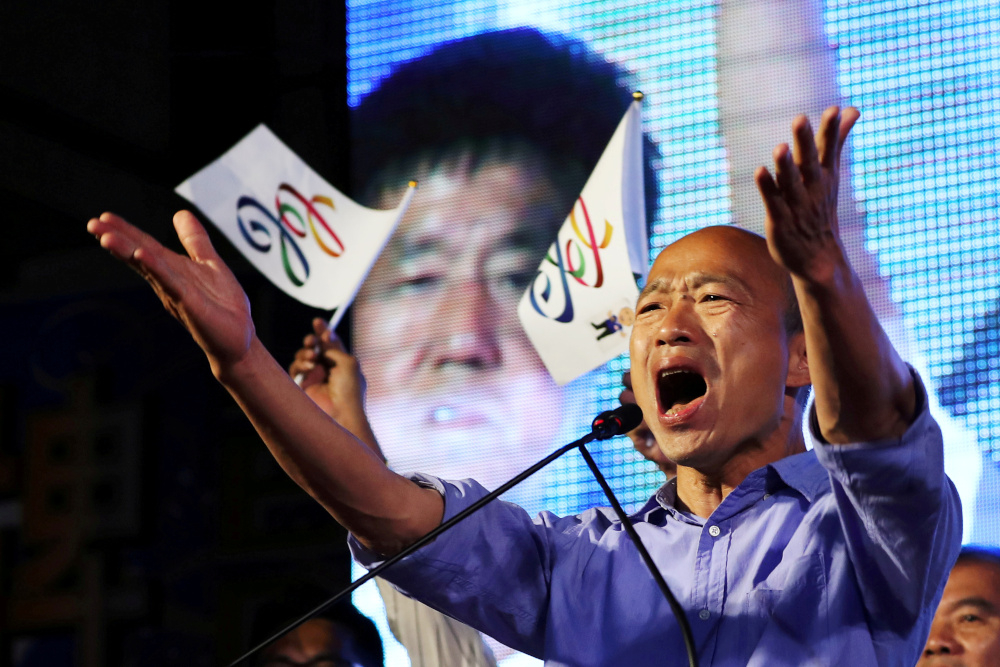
{"x": 491, "y": 571}
{"x": 901, "y": 516}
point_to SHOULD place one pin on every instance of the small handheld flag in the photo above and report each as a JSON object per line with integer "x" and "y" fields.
{"x": 310, "y": 240}
{"x": 578, "y": 311}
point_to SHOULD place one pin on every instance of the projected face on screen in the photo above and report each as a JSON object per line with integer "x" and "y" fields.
{"x": 454, "y": 386}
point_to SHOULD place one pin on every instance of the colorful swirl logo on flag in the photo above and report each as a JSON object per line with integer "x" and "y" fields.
{"x": 570, "y": 267}
{"x": 294, "y": 218}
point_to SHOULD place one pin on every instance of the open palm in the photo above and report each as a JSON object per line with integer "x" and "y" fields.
{"x": 801, "y": 199}
{"x": 199, "y": 290}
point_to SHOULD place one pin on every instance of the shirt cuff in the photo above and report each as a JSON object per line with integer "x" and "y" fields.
{"x": 891, "y": 464}
{"x": 457, "y": 496}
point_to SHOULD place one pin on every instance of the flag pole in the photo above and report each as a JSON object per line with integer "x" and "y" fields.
{"x": 338, "y": 312}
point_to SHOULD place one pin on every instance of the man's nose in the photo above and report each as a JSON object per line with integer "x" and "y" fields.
{"x": 679, "y": 325}
{"x": 468, "y": 320}
{"x": 942, "y": 641}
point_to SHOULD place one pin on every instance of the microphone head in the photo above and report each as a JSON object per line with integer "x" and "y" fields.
{"x": 631, "y": 417}
{"x": 616, "y": 422}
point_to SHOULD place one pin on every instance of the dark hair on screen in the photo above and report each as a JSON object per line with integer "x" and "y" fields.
{"x": 979, "y": 552}
{"x": 519, "y": 87}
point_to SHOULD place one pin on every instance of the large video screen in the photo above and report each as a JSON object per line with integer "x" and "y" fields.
{"x": 502, "y": 133}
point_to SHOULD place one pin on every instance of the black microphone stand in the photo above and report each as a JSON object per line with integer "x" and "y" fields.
{"x": 647, "y": 559}
{"x": 600, "y": 431}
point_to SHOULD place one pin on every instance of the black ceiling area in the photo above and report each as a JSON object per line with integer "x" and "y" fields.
{"x": 141, "y": 520}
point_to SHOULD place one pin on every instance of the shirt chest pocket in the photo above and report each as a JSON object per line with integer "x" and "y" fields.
{"x": 788, "y": 612}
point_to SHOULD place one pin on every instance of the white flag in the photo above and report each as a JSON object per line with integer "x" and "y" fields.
{"x": 578, "y": 311}
{"x": 298, "y": 230}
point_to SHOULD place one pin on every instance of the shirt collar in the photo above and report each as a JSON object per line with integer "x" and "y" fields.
{"x": 802, "y": 472}
{"x": 664, "y": 498}
{"x": 667, "y": 494}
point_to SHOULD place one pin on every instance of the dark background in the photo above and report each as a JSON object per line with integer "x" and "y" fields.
{"x": 141, "y": 520}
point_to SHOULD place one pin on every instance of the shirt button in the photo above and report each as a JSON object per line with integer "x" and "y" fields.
{"x": 714, "y": 532}
{"x": 704, "y": 614}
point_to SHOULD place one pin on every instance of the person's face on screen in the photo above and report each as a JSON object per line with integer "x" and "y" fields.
{"x": 709, "y": 352}
{"x": 966, "y": 626}
{"x": 454, "y": 386}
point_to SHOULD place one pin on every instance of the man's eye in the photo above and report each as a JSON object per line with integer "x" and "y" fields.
{"x": 649, "y": 307}
{"x": 417, "y": 282}
{"x": 516, "y": 280}
{"x": 714, "y": 297}
{"x": 970, "y": 618}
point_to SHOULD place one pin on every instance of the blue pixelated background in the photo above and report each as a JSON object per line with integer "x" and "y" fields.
{"x": 722, "y": 83}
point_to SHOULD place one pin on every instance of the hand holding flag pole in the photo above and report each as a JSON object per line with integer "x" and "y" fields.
{"x": 338, "y": 313}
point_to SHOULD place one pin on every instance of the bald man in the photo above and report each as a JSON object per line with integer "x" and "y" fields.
{"x": 780, "y": 553}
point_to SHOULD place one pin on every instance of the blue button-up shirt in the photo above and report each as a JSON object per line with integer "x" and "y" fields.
{"x": 836, "y": 556}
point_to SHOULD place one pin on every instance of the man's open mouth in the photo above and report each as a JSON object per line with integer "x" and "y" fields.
{"x": 678, "y": 388}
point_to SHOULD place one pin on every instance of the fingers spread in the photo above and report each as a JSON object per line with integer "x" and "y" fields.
{"x": 806, "y": 156}
{"x": 769, "y": 192}
{"x": 137, "y": 249}
{"x": 788, "y": 177}
{"x": 119, "y": 237}
{"x": 848, "y": 117}
{"x": 834, "y": 128}
{"x": 193, "y": 237}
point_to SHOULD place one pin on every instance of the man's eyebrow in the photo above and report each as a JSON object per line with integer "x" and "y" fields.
{"x": 975, "y": 601}
{"x": 694, "y": 281}
{"x": 415, "y": 244}
{"x": 657, "y": 285}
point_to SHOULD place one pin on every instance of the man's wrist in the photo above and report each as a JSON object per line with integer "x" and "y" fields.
{"x": 835, "y": 277}
{"x": 232, "y": 372}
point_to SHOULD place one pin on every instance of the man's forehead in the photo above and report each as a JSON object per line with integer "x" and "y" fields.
{"x": 454, "y": 205}
{"x": 979, "y": 572}
{"x": 718, "y": 251}
{"x": 972, "y": 582}
{"x": 722, "y": 238}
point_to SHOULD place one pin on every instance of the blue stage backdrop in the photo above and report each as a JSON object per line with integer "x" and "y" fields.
{"x": 722, "y": 81}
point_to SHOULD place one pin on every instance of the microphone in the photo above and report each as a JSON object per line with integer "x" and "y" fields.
{"x": 619, "y": 421}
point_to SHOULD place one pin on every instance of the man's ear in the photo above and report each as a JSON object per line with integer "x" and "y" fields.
{"x": 798, "y": 363}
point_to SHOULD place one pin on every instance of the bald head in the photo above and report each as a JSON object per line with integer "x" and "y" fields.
{"x": 739, "y": 243}
{"x": 714, "y": 367}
